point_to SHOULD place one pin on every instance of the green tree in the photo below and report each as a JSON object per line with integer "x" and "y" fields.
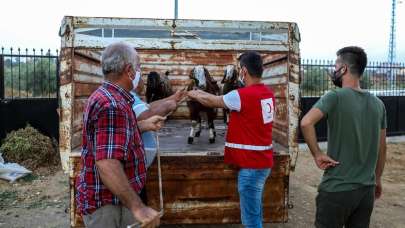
{"x": 29, "y": 77}
{"x": 315, "y": 80}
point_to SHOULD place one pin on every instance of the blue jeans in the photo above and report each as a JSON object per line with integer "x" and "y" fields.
{"x": 250, "y": 186}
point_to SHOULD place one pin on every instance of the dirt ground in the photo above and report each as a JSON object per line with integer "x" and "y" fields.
{"x": 42, "y": 200}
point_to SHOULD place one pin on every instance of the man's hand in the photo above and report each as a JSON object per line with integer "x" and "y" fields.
{"x": 378, "y": 189}
{"x": 194, "y": 94}
{"x": 178, "y": 96}
{"x": 323, "y": 161}
{"x": 153, "y": 123}
{"x": 147, "y": 217}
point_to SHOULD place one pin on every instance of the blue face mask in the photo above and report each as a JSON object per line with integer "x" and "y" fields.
{"x": 135, "y": 81}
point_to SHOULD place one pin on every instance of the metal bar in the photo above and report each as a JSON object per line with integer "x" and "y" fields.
{"x": 49, "y": 74}
{"x": 34, "y": 74}
{"x": 26, "y": 73}
{"x": 19, "y": 73}
{"x": 57, "y": 76}
{"x": 11, "y": 74}
{"x": 1, "y": 77}
{"x": 41, "y": 69}
{"x": 176, "y": 9}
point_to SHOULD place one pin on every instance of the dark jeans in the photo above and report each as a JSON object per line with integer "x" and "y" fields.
{"x": 351, "y": 209}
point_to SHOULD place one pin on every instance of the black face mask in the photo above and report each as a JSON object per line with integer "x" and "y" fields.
{"x": 336, "y": 77}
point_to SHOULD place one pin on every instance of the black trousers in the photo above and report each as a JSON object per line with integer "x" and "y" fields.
{"x": 351, "y": 209}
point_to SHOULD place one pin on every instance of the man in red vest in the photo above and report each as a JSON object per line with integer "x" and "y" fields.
{"x": 249, "y": 138}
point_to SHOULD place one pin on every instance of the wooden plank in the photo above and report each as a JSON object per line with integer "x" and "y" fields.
{"x": 198, "y": 189}
{"x": 83, "y": 90}
{"x": 192, "y": 57}
{"x": 203, "y": 190}
{"x": 77, "y": 139}
{"x": 78, "y": 106}
{"x": 183, "y": 44}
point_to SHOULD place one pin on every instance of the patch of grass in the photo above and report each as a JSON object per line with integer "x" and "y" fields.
{"x": 7, "y": 198}
{"x": 29, "y": 178}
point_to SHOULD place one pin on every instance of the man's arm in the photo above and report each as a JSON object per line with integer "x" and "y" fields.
{"x": 160, "y": 108}
{"x": 382, "y": 154}
{"x": 322, "y": 160}
{"x": 207, "y": 99}
{"x": 113, "y": 176}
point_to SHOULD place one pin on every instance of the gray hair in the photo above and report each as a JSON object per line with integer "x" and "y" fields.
{"x": 116, "y": 56}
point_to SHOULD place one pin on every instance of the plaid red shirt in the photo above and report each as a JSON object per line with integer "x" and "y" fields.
{"x": 110, "y": 131}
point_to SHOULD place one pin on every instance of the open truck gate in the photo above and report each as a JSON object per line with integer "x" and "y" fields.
{"x": 197, "y": 187}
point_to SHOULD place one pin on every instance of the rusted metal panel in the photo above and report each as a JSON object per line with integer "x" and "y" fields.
{"x": 65, "y": 124}
{"x": 85, "y": 89}
{"x": 293, "y": 92}
{"x": 203, "y": 190}
{"x": 85, "y": 65}
{"x": 76, "y": 219}
{"x": 276, "y": 76}
{"x": 174, "y": 57}
{"x": 77, "y": 140}
{"x": 66, "y": 58}
{"x": 97, "y": 22}
{"x": 73, "y": 33}
{"x": 66, "y": 102}
{"x": 81, "y": 41}
{"x": 90, "y": 54}
{"x": 294, "y": 110}
{"x": 66, "y": 32}
{"x": 79, "y": 105}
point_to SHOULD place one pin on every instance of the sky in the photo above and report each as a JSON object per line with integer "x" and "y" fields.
{"x": 325, "y": 25}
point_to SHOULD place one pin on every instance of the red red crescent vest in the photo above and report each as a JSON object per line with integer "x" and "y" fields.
{"x": 249, "y": 137}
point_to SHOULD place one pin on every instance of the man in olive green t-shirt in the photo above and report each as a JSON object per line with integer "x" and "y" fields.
{"x": 356, "y": 152}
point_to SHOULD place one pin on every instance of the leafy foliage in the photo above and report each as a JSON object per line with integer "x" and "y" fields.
{"x": 29, "y": 148}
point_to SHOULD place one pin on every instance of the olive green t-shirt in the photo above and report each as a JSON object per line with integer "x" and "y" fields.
{"x": 355, "y": 119}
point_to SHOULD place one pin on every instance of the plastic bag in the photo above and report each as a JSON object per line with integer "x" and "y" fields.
{"x": 12, "y": 171}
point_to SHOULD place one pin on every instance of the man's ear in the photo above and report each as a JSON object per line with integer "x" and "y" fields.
{"x": 344, "y": 69}
{"x": 128, "y": 69}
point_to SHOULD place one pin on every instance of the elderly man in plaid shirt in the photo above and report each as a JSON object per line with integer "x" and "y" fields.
{"x": 113, "y": 158}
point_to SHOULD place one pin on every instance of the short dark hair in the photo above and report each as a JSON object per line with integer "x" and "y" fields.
{"x": 355, "y": 58}
{"x": 253, "y": 62}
